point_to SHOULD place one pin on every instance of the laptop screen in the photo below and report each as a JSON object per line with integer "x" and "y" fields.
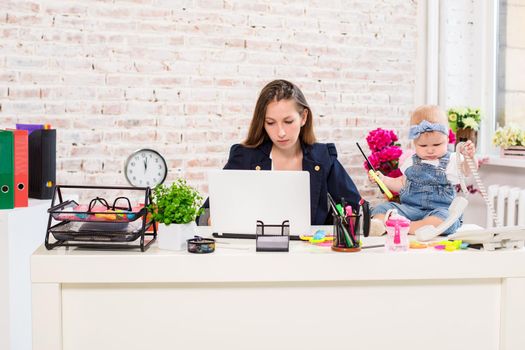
{"x": 239, "y": 198}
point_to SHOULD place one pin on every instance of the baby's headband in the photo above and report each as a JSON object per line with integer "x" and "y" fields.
{"x": 425, "y": 126}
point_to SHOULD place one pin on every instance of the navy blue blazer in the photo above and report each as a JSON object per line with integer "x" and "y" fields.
{"x": 327, "y": 175}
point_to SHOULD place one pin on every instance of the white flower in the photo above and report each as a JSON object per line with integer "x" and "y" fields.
{"x": 470, "y": 123}
{"x": 508, "y": 136}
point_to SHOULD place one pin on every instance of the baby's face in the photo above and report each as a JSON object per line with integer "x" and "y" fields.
{"x": 431, "y": 145}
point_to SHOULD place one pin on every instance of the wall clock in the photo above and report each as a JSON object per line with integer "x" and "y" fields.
{"x": 145, "y": 168}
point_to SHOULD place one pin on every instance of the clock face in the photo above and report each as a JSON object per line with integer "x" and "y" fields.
{"x": 146, "y": 168}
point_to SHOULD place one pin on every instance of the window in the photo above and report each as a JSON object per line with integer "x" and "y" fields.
{"x": 510, "y": 90}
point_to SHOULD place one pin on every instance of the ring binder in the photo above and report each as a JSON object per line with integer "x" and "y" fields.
{"x": 21, "y": 167}
{"x": 7, "y": 199}
{"x": 42, "y": 163}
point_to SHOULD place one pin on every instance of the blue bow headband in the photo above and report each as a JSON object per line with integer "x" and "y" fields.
{"x": 425, "y": 126}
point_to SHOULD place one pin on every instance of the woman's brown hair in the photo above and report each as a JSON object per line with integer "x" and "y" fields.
{"x": 278, "y": 90}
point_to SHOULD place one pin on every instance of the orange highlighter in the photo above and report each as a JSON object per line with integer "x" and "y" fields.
{"x": 372, "y": 173}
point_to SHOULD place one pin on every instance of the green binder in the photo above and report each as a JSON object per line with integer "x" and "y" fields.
{"x": 7, "y": 197}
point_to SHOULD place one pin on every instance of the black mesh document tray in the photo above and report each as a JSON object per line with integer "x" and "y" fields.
{"x": 99, "y": 224}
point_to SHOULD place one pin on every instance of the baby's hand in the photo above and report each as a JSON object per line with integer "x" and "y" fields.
{"x": 468, "y": 149}
{"x": 371, "y": 179}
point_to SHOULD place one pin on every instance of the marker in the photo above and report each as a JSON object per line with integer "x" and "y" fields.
{"x": 339, "y": 208}
{"x": 348, "y": 210}
{"x": 372, "y": 173}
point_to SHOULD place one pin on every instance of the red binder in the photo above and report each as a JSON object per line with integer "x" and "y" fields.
{"x": 21, "y": 167}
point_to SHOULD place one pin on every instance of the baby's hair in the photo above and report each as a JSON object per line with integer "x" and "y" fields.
{"x": 430, "y": 113}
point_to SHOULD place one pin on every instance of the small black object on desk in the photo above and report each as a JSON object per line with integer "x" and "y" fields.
{"x": 199, "y": 245}
{"x": 272, "y": 242}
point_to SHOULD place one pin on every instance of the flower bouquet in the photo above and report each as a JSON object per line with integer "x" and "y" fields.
{"x": 385, "y": 153}
{"x": 511, "y": 139}
{"x": 464, "y": 122}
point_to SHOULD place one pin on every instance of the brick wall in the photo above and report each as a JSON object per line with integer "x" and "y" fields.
{"x": 182, "y": 77}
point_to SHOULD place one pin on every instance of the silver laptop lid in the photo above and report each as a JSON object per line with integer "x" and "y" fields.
{"x": 238, "y": 198}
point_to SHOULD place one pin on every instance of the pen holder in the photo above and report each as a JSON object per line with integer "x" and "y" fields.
{"x": 272, "y": 238}
{"x": 346, "y": 233}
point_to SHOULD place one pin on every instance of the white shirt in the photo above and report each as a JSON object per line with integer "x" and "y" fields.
{"x": 451, "y": 171}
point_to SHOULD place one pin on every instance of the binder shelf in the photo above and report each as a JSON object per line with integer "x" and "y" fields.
{"x": 102, "y": 224}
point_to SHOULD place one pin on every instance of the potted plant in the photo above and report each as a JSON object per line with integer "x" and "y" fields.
{"x": 511, "y": 139}
{"x": 464, "y": 122}
{"x": 175, "y": 207}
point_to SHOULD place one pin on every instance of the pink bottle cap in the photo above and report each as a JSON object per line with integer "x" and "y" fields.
{"x": 397, "y": 220}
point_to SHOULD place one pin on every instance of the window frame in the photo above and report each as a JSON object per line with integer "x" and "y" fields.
{"x": 489, "y": 69}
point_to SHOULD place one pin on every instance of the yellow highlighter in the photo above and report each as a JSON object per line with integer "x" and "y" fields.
{"x": 374, "y": 176}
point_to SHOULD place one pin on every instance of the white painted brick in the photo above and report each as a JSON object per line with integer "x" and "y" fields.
{"x": 91, "y": 166}
{"x": 21, "y": 108}
{"x": 54, "y": 108}
{"x": 172, "y": 94}
{"x": 16, "y": 62}
{"x": 140, "y": 94}
{"x": 138, "y": 108}
{"x": 111, "y": 65}
{"x": 124, "y": 80}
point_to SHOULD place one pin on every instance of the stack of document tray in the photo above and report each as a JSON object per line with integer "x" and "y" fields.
{"x": 119, "y": 225}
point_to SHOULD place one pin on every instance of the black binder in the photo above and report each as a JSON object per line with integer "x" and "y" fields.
{"x": 42, "y": 163}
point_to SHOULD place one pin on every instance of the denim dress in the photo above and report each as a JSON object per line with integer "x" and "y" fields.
{"x": 427, "y": 192}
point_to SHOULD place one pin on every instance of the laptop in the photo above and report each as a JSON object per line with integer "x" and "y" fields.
{"x": 239, "y": 198}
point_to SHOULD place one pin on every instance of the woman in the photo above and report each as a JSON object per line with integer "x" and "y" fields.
{"x": 281, "y": 137}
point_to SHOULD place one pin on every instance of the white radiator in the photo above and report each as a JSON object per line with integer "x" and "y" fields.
{"x": 509, "y": 205}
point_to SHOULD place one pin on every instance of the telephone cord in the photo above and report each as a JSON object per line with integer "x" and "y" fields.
{"x": 473, "y": 169}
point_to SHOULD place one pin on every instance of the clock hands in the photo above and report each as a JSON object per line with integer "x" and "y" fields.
{"x": 145, "y": 164}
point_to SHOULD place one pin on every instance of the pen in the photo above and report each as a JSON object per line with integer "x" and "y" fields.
{"x": 348, "y": 239}
{"x": 374, "y": 176}
{"x": 331, "y": 202}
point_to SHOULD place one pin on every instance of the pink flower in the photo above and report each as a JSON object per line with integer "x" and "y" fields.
{"x": 451, "y": 136}
{"x": 395, "y": 173}
{"x": 378, "y": 139}
{"x": 374, "y": 160}
{"x": 390, "y": 153}
{"x": 385, "y": 153}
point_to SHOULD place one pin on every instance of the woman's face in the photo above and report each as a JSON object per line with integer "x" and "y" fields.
{"x": 431, "y": 145}
{"x": 283, "y": 123}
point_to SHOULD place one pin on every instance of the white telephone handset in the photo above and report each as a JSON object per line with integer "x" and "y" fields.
{"x": 457, "y": 207}
{"x": 459, "y": 204}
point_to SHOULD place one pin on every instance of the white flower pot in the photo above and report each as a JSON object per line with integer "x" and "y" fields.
{"x": 174, "y": 236}
{"x": 517, "y": 152}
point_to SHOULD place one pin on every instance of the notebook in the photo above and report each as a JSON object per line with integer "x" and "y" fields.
{"x": 238, "y": 198}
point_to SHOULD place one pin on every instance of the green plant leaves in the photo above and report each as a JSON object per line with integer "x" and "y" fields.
{"x": 178, "y": 203}
{"x": 465, "y": 117}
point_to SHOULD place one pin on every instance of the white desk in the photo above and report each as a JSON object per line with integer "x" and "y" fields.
{"x": 22, "y": 230}
{"x": 309, "y": 298}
